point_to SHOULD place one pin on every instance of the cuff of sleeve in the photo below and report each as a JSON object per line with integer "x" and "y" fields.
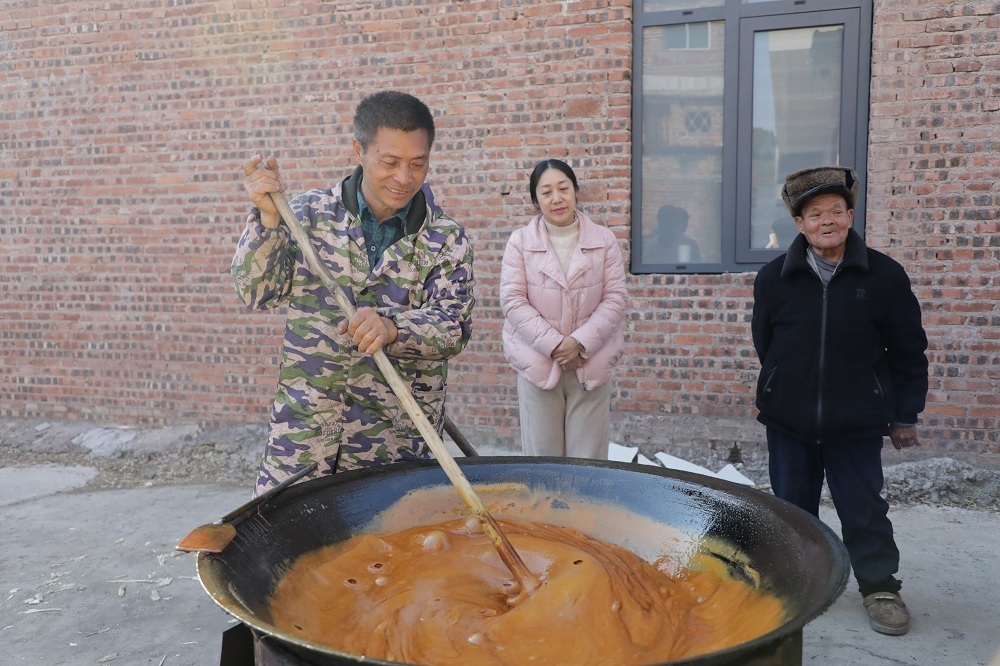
{"x": 402, "y": 333}
{"x": 253, "y": 221}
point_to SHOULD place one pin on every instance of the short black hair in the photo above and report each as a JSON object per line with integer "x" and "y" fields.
{"x": 394, "y": 110}
{"x": 544, "y": 166}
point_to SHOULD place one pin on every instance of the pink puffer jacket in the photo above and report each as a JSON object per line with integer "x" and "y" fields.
{"x": 542, "y": 304}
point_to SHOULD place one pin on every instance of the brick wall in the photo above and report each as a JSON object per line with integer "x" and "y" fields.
{"x": 934, "y": 197}
{"x": 122, "y": 130}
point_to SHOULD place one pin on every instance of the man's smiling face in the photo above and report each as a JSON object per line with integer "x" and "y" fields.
{"x": 395, "y": 167}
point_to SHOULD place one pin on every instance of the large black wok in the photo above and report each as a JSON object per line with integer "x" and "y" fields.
{"x": 759, "y": 538}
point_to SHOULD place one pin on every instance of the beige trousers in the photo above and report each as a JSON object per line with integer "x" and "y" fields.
{"x": 565, "y": 420}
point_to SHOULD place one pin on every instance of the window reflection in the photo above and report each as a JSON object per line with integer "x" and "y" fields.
{"x": 682, "y": 82}
{"x": 796, "y": 119}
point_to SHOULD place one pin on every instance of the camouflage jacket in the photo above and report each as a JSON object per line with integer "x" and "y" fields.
{"x": 333, "y": 405}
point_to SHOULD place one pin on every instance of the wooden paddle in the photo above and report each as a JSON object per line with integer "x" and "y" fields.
{"x": 503, "y": 546}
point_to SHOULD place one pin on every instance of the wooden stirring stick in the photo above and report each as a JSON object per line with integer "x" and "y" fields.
{"x": 503, "y": 546}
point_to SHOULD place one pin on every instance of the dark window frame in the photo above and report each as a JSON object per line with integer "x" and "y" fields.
{"x": 742, "y": 20}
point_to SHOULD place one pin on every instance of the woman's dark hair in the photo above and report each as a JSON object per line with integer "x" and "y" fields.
{"x": 394, "y": 110}
{"x": 544, "y": 166}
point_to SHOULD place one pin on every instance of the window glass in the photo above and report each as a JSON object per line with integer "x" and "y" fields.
{"x": 729, "y": 98}
{"x": 796, "y": 119}
{"x": 682, "y": 85}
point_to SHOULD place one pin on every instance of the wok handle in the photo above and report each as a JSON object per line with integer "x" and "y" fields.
{"x": 503, "y": 546}
{"x": 265, "y": 496}
{"x": 456, "y": 435}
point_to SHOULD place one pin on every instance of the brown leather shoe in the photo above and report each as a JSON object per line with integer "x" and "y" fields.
{"x": 887, "y": 613}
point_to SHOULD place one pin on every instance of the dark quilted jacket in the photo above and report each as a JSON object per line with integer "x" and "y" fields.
{"x": 842, "y": 361}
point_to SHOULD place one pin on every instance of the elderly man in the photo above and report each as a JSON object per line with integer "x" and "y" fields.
{"x": 402, "y": 262}
{"x": 837, "y": 329}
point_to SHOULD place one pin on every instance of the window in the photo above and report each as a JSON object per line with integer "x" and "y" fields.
{"x": 729, "y": 98}
{"x": 686, "y": 36}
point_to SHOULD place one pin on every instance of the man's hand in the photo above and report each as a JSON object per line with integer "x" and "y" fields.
{"x": 259, "y": 183}
{"x": 369, "y": 331}
{"x": 903, "y": 437}
{"x": 567, "y": 354}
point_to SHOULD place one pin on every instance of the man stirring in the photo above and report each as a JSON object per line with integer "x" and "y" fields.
{"x": 405, "y": 266}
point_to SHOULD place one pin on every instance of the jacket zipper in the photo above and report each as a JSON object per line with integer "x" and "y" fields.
{"x": 581, "y": 374}
{"x": 822, "y": 358}
{"x": 822, "y": 353}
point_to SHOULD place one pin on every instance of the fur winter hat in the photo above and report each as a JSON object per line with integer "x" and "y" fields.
{"x": 803, "y": 185}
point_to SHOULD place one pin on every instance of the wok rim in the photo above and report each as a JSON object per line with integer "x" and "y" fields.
{"x": 838, "y": 577}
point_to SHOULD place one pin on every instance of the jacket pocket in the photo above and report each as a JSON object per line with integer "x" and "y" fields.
{"x": 432, "y": 402}
{"x": 766, "y": 385}
{"x": 879, "y": 392}
{"x": 883, "y": 400}
{"x": 404, "y": 430}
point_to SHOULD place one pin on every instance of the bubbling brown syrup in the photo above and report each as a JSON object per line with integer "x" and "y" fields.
{"x": 439, "y": 594}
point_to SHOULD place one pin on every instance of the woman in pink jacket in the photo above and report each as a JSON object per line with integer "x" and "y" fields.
{"x": 562, "y": 291}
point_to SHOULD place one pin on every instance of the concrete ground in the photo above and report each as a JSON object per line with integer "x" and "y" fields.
{"x": 92, "y": 577}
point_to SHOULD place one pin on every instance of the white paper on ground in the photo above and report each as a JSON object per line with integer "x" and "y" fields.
{"x": 619, "y": 453}
{"x": 643, "y": 460}
{"x": 673, "y": 462}
{"x": 730, "y": 473}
